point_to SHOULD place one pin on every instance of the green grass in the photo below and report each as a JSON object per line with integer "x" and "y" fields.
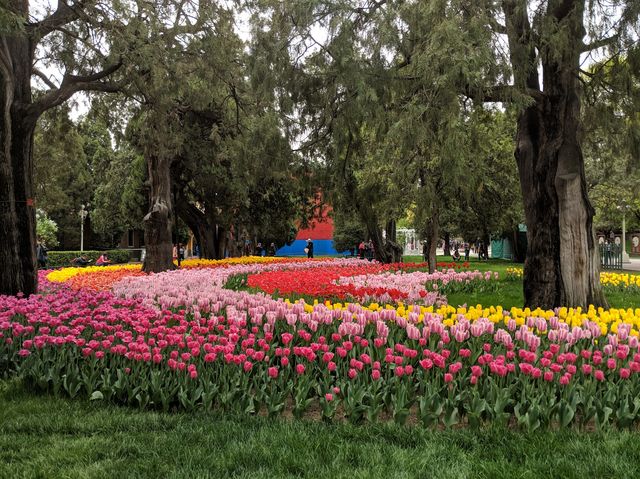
{"x": 42, "y": 436}
{"x": 510, "y": 293}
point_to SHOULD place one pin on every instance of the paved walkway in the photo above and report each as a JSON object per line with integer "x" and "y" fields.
{"x": 633, "y": 266}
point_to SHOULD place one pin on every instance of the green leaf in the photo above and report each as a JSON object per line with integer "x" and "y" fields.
{"x": 96, "y": 396}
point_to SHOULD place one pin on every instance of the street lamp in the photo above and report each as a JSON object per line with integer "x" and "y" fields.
{"x": 625, "y": 257}
{"x": 83, "y": 214}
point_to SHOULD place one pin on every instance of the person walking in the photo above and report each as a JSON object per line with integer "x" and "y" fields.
{"x": 41, "y": 255}
{"x": 309, "y": 248}
{"x": 467, "y": 250}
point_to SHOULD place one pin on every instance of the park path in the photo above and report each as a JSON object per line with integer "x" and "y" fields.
{"x": 634, "y": 265}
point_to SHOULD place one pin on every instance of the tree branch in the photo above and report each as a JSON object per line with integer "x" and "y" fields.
{"x": 500, "y": 93}
{"x": 63, "y": 15}
{"x": 603, "y": 42}
{"x": 44, "y": 78}
{"x": 521, "y": 46}
{"x": 72, "y": 84}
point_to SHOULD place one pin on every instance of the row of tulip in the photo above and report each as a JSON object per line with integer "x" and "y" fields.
{"x": 610, "y": 281}
{"x": 103, "y": 277}
{"x": 179, "y": 339}
{"x": 373, "y": 282}
{"x": 412, "y": 285}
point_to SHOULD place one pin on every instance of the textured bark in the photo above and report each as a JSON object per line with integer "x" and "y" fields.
{"x": 18, "y": 272}
{"x": 447, "y": 244}
{"x": 433, "y": 232}
{"x": 198, "y": 223}
{"x": 158, "y": 223}
{"x": 17, "y": 212}
{"x": 562, "y": 264}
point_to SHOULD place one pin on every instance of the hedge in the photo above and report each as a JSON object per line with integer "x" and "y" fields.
{"x": 58, "y": 259}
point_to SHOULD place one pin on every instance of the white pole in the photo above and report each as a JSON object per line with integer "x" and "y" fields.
{"x": 625, "y": 256}
{"x": 82, "y": 228}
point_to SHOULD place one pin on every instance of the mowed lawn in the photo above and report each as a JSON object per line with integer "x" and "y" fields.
{"x": 43, "y": 436}
{"x": 510, "y": 293}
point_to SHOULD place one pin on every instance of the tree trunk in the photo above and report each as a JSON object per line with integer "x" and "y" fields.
{"x": 486, "y": 240}
{"x": 198, "y": 223}
{"x": 393, "y": 249}
{"x": 158, "y": 223}
{"x": 562, "y": 265}
{"x": 220, "y": 239}
{"x": 18, "y": 271}
{"x": 447, "y": 244}
{"x": 433, "y": 227}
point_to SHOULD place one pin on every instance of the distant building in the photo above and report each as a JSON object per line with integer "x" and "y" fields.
{"x": 133, "y": 240}
{"x": 321, "y": 233}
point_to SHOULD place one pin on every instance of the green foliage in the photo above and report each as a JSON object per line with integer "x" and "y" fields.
{"x": 118, "y": 200}
{"x": 63, "y": 177}
{"x": 62, "y": 259}
{"x": 348, "y": 232}
{"x": 46, "y": 229}
{"x": 77, "y": 164}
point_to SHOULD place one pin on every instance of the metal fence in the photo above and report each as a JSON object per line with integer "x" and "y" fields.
{"x": 611, "y": 256}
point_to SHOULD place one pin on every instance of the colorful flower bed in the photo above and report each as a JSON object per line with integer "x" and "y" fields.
{"x": 181, "y": 340}
{"x": 610, "y": 281}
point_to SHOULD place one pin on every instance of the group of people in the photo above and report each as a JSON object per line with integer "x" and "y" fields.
{"x": 259, "y": 250}
{"x": 366, "y": 250}
{"x": 178, "y": 252}
{"x": 83, "y": 260}
{"x": 480, "y": 248}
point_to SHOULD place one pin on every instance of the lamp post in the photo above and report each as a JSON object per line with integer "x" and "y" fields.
{"x": 83, "y": 214}
{"x": 625, "y": 257}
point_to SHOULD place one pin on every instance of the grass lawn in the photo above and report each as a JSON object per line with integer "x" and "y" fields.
{"x": 43, "y": 436}
{"x": 510, "y": 293}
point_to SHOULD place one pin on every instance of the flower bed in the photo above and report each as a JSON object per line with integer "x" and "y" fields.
{"x": 610, "y": 281}
{"x": 179, "y": 339}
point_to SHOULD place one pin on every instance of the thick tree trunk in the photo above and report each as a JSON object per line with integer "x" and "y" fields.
{"x": 562, "y": 264}
{"x": 18, "y": 271}
{"x": 158, "y": 223}
{"x": 433, "y": 232}
{"x": 198, "y": 223}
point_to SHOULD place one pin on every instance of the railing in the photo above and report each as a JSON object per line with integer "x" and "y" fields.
{"x": 611, "y": 256}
